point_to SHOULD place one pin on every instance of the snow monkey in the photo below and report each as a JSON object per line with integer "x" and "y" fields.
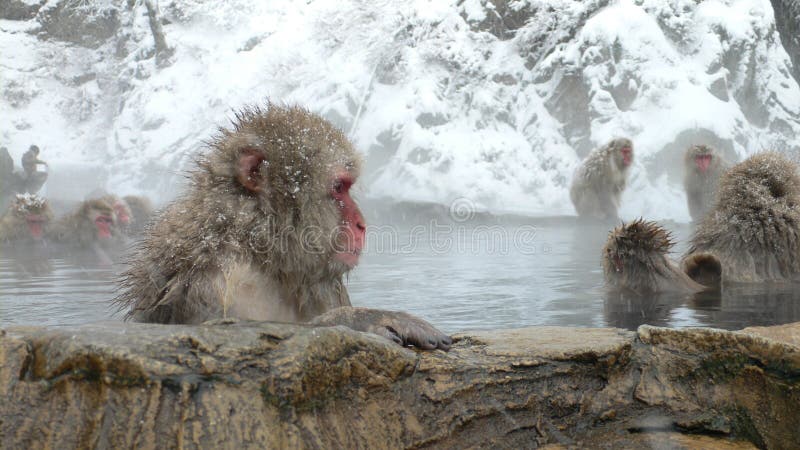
{"x": 635, "y": 260}
{"x": 26, "y": 220}
{"x": 90, "y": 224}
{"x": 266, "y": 230}
{"x": 703, "y": 168}
{"x": 141, "y": 211}
{"x": 600, "y": 180}
{"x": 753, "y": 230}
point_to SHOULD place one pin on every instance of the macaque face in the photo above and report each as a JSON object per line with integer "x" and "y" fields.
{"x": 121, "y": 211}
{"x": 351, "y": 235}
{"x": 614, "y": 258}
{"x": 627, "y": 155}
{"x": 35, "y": 224}
{"x": 102, "y": 221}
{"x": 703, "y": 162}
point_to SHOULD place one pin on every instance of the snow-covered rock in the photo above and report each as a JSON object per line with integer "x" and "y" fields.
{"x": 492, "y": 101}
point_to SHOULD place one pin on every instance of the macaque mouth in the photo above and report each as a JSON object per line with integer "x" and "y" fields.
{"x": 103, "y": 224}
{"x": 35, "y": 223}
{"x": 703, "y": 162}
{"x": 626, "y": 156}
{"x": 348, "y": 258}
{"x": 617, "y": 263}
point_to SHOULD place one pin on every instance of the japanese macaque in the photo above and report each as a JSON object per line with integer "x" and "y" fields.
{"x": 753, "y": 230}
{"x": 123, "y": 217}
{"x": 266, "y": 231}
{"x": 704, "y": 166}
{"x": 141, "y": 211}
{"x": 635, "y": 260}
{"x": 26, "y": 220}
{"x": 600, "y": 180}
{"x": 91, "y": 224}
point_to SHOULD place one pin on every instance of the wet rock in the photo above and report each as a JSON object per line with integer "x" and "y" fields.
{"x": 19, "y": 9}
{"x": 787, "y": 20}
{"x": 81, "y": 23}
{"x": 232, "y": 385}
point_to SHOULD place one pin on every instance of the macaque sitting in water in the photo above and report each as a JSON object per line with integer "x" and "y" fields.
{"x": 751, "y": 235}
{"x": 141, "y": 210}
{"x": 635, "y": 261}
{"x": 600, "y": 180}
{"x": 267, "y": 231}
{"x": 91, "y": 224}
{"x": 753, "y": 230}
{"x": 703, "y": 168}
{"x": 26, "y": 220}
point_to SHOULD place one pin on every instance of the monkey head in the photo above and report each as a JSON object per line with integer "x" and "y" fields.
{"x": 700, "y": 158}
{"x": 634, "y": 252}
{"x": 98, "y": 215}
{"x": 622, "y": 151}
{"x": 34, "y": 211}
{"x": 286, "y": 176}
{"x": 122, "y": 213}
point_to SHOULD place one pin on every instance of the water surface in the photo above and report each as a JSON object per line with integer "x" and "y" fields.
{"x": 475, "y": 273}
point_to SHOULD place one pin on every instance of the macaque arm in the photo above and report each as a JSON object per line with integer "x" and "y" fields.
{"x": 402, "y": 328}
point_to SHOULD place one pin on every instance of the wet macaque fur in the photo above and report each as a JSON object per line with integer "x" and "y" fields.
{"x": 266, "y": 231}
{"x": 27, "y": 219}
{"x": 703, "y": 168}
{"x": 635, "y": 261}
{"x": 753, "y": 230}
{"x": 90, "y": 224}
{"x": 600, "y": 180}
{"x": 141, "y": 210}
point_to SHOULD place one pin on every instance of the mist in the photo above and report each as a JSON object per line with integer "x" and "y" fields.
{"x": 495, "y": 102}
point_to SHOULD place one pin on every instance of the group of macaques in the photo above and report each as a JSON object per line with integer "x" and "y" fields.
{"x": 747, "y": 222}
{"x": 268, "y": 229}
{"x": 103, "y": 222}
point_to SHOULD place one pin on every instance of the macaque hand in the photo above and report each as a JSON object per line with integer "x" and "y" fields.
{"x": 402, "y": 328}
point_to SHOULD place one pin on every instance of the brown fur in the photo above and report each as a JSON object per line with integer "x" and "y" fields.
{"x": 701, "y": 187}
{"x": 244, "y": 245}
{"x": 78, "y": 229}
{"x": 753, "y": 232}
{"x": 599, "y": 181}
{"x": 13, "y": 224}
{"x": 635, "y": 260}
{"x": 141, "y": 212}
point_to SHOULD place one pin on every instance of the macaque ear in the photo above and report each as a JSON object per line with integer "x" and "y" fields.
{"x": 249, "y": 170}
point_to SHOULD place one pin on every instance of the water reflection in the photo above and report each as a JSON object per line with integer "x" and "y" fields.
{"x": 470, "y": 282}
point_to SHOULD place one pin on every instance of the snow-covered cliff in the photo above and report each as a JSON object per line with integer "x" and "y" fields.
{"x": 493, "y": 101}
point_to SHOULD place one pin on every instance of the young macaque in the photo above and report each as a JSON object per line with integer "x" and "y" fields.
{"x": 266, "y": 231}
{"x": 703, "y": 168}
{"x": 635, "y": 261}
{"x": 601, "y": 178}
{"x": 753, "y": 230}
{"x": 26, "y": 220}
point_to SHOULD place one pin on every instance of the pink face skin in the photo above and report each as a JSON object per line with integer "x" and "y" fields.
{"x": 627, "y": 155}
{"x": 122, "y": 216}
{"x": 354, "y": 226}
{"x": 702, "y": 162}
{"x": 35, "y": 223}
{"x": 103, "y": 223}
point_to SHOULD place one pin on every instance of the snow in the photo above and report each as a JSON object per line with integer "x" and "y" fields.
{"x": 441, "y": 108}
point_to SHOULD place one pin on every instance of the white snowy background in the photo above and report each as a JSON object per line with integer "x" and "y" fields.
{"x": 495, "y": 102}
